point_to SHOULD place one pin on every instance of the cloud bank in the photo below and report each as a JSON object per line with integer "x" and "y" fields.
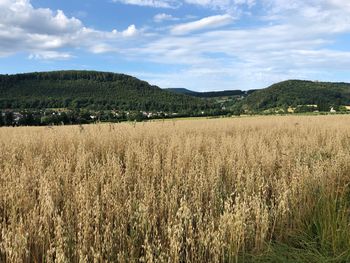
{"x": 284, "y": 39}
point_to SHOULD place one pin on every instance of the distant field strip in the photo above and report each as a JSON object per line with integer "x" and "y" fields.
{"x": 259, "y": 189}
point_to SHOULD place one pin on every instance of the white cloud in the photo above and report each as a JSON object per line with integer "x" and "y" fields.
{"x": 340, "y": 3}
{"x": 43, "y": 32}
{"x": 223, "y": 4}
{"x": 228, "y": 5}
{"x": 204, "y": 23}
{"x": 50, "y": 55}
{"x": 21, "y": 14}
{"x": 164, "y": 17}
{"x": 130, "y": 31}
{"x": 101, "y": 48}
{"x": 152, "y": 3}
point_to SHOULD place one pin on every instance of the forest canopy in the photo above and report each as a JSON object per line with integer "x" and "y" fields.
{"x": 91, "y": 90}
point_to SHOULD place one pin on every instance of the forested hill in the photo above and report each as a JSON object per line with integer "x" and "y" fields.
{"x": 299, "y": 92}
{"x": 91, "y": 90}
{"x": 94, "y": 90}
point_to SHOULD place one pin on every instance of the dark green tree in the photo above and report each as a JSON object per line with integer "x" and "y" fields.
{"x": 28, "y": 119}
{"x": 9, "y": 118}
{"x": 2, "y": 123}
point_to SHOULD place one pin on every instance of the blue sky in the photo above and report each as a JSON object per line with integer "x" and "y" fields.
{"x": 196, "y": 44}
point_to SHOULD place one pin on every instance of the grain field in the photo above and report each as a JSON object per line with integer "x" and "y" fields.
{"x": 258, "y": 189}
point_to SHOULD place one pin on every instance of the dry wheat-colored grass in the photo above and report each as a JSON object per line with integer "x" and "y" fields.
{"x": 178, "y": 191}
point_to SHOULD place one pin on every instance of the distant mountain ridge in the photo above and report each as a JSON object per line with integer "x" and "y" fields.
{"x": 95, "y": 90}
{"x": 89, "y": 89}
{"x": 182, "y": 91}
{"x": 211, "y": 94}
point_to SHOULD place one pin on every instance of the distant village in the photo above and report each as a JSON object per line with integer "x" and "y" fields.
{"x": 66, "y": 117}
{"x": 83, "y": 116}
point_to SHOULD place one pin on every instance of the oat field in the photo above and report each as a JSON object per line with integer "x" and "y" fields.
{"x": 257, "y": 189}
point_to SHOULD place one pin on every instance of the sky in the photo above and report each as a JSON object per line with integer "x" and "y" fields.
{"x": 202, "y": 45}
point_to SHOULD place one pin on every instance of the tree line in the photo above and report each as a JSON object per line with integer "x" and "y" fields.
{"x": 84, "y": 116}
